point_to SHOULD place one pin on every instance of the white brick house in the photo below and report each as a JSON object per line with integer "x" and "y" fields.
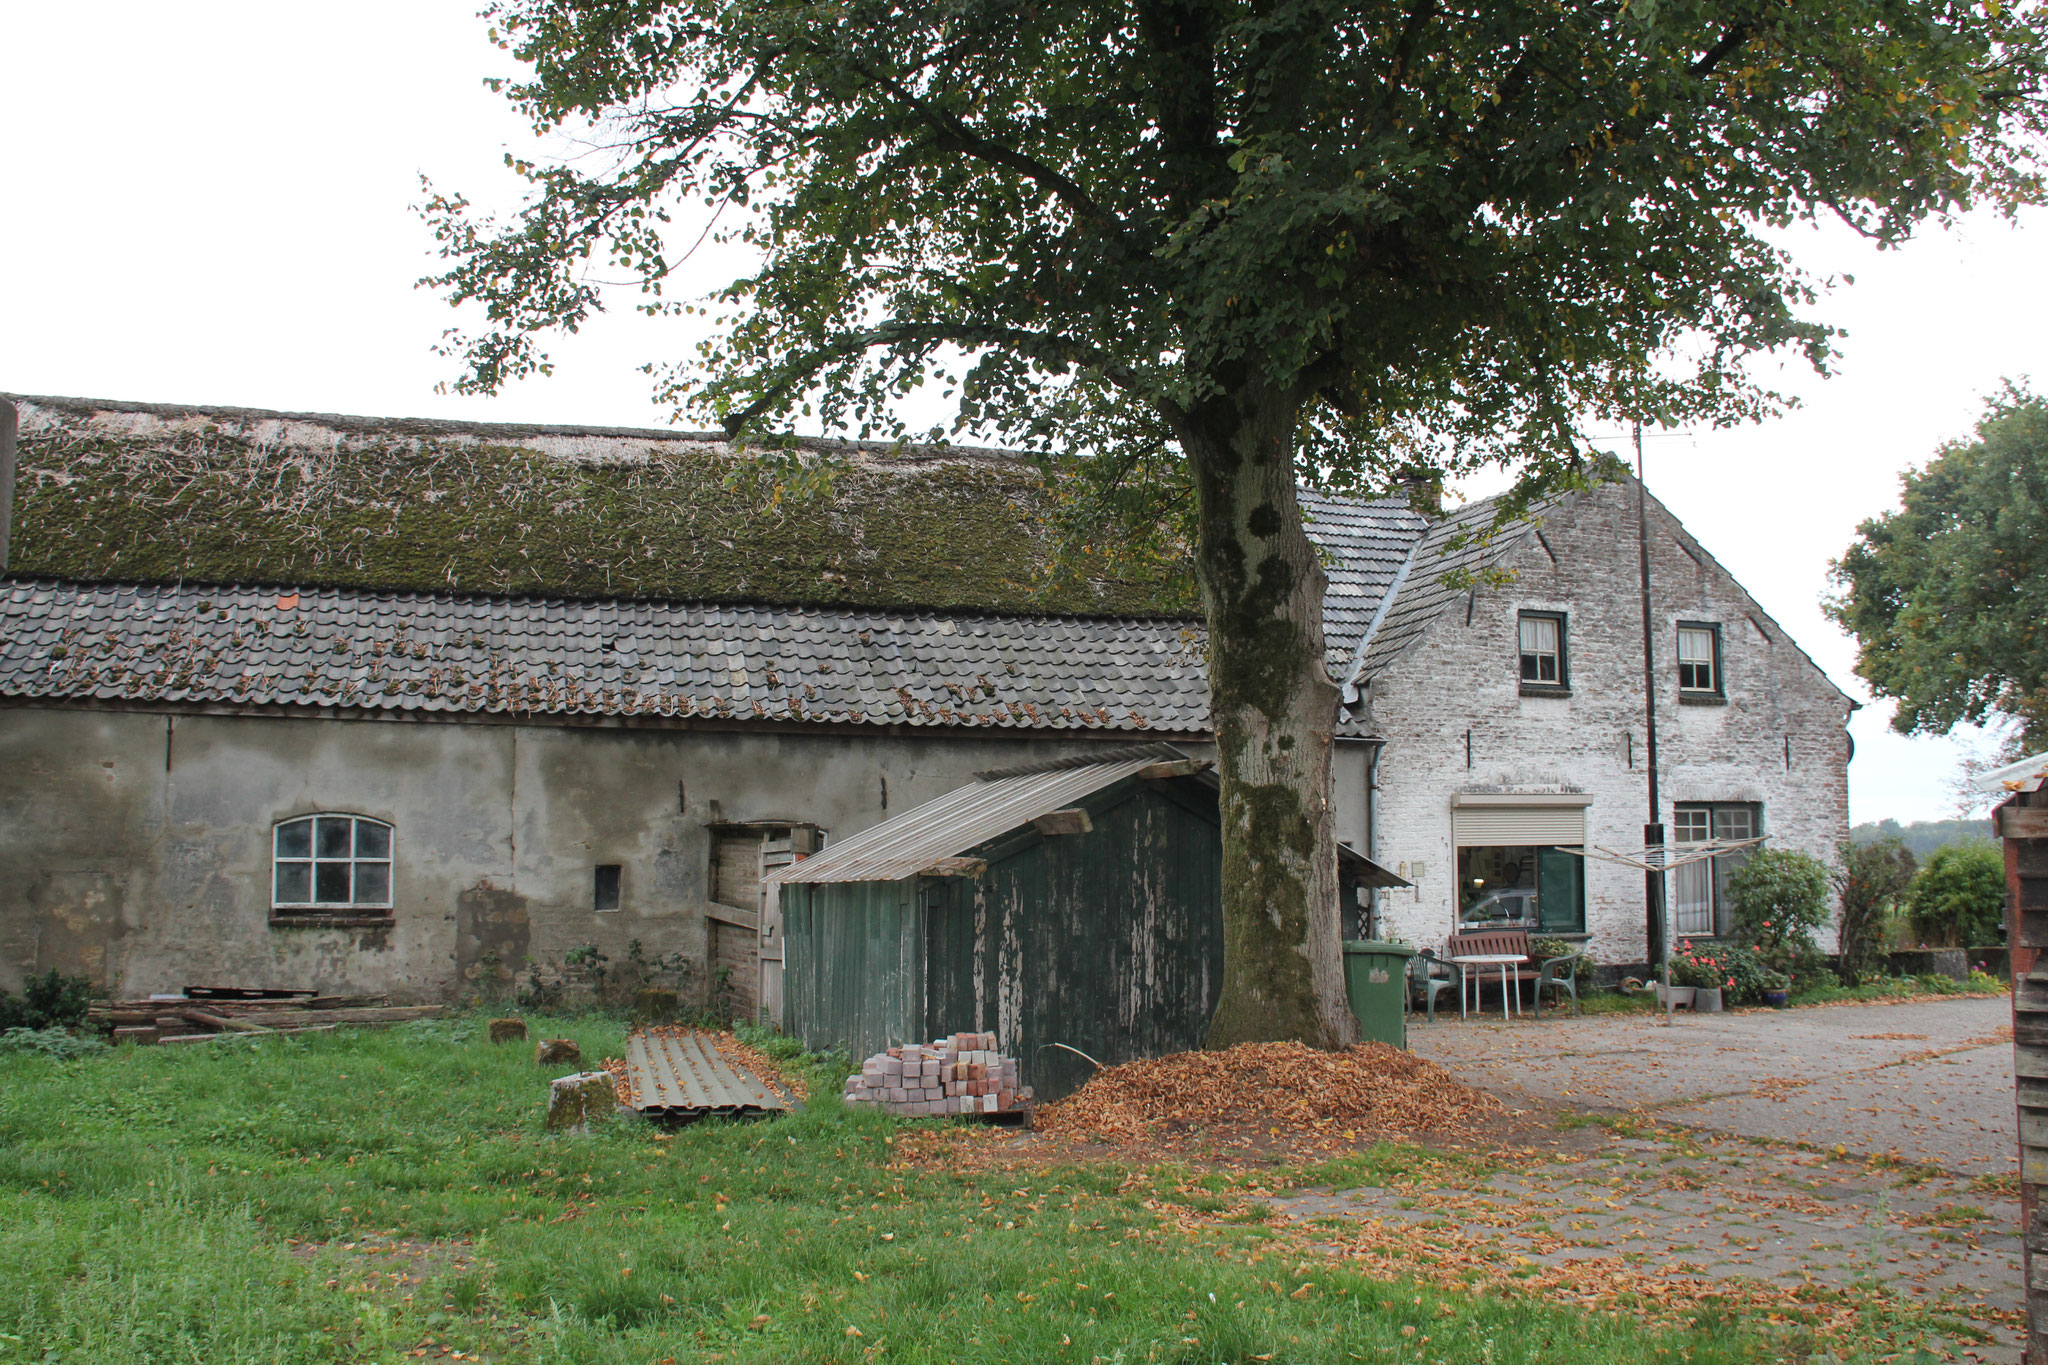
{"x": 1513, "y": 722}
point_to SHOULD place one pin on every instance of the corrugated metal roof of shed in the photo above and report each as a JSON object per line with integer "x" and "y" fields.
{"x": 962, "y": 819}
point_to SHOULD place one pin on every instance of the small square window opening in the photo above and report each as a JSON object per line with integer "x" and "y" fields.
{"x": 607, "y": 886}
{"x": 1543, "y": 650}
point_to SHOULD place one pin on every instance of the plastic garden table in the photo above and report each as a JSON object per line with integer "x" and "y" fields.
{"x": 1500, "y": 960}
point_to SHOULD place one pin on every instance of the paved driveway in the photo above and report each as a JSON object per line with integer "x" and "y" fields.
{"x": 1929, "y": 1082}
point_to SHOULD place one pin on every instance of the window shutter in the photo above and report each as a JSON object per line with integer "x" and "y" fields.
{"x": 1518, "y": 826}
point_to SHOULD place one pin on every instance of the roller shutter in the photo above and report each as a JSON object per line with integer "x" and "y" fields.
{"x": 1518, "y": 826}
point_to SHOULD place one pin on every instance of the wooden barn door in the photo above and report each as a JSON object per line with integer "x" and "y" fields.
{"x": 735, "y": 914}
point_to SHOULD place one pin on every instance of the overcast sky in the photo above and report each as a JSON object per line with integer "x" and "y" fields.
{"x": 212, "y": 203}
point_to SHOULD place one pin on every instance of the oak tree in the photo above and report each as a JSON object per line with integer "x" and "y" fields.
{"x": 1947, "y": 595}
{"x": 1231, "y": 248}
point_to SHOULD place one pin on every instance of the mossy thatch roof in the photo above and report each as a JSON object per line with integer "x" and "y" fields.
{"x": 146, "y": 493}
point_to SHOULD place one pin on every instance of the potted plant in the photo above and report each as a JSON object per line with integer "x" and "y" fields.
{"x": 1700, "y": 971}
{"x": 1777, "y": 989}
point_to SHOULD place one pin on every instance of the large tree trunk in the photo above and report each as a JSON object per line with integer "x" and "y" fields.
{"x": 1274, "y": 709}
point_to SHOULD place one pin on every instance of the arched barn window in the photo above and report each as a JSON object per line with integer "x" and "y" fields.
{"x": 331, "y": 863}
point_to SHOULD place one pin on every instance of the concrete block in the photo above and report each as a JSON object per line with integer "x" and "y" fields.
{"x": 575, "y": 1102}
{"x": 557, "y": 1052}
{"x": 508, "y": 1030}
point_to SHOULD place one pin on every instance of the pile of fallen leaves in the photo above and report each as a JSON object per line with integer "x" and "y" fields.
{"x": 746, "y": 1057}
{"x": 615, "y": 1067}
{"x": 1284, "y": 1086}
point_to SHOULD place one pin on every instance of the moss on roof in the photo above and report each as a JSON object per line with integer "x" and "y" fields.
{"x": 158, "y": 495}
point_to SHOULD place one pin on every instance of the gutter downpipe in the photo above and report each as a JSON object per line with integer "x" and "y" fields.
{"x": 1656, "y": 939}
{"x": 8, "y": 422}
{"x": 1372, "y": 833}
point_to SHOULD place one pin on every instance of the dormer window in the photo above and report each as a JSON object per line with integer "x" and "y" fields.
{"x": 1542, "y": 647}
{"x": 331, "y": 864}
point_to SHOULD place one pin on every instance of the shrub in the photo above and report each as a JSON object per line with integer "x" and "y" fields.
{"x": 1735, "y": 969}
{"x": 48, "y": 1001}
{"x": 1868, "y": 878}
{"x": 1781, "y": 898}
{"x": 60, "y": 1043}
{"x": 1544, "y": 949}
{"x": 1958, "y": 900}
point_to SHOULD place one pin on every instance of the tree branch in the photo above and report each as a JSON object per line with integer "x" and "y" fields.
{"x": 957, "y": 136}
{"x": 1732, "y": 39}
{"x": 1037, "y": 345}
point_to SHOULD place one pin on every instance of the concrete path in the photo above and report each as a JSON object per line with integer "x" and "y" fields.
{"x": 1685, "y": 1208}
{"x": 1928, "y": 1083}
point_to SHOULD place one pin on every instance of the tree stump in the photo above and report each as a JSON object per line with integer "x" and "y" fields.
{"x": 653, "y": 1006}
{"x": 557, "y": 1052}
{"x": 508, "y": 1030}
{"x": 575, "y": 1102}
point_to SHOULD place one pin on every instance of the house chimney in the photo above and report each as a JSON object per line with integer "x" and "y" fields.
{"x": 7, "y": 424}
{"x": 1425, "y": 488}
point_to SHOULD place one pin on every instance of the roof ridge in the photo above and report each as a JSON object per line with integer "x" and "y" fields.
{"x": 585, "y": 599}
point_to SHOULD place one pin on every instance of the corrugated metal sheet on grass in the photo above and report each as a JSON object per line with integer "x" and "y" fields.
{"x": 684, "y": 1073}
{"x": 958, "y": 821}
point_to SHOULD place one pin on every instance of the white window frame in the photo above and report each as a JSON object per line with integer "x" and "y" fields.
{"x": 1555, "y": 655}
{"x": 1698, "y": 888}
{"x": 1712, "y": 661}
{"x": 312, "y": 860}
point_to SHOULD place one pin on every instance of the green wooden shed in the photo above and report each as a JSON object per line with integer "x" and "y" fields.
{"x": 1072, "y": 903}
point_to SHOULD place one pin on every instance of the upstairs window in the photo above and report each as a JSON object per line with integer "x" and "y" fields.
{"x": 1699, "y": 659}
{"x": 1542, "y": 649}
{"x": 324, "y": 864}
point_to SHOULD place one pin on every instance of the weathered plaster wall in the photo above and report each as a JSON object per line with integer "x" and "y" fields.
{"x": 1464, "y": 676}
{"x": 134, "y": 847}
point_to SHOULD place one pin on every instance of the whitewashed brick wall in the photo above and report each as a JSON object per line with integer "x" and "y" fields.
{"x": 1780, "y": 739}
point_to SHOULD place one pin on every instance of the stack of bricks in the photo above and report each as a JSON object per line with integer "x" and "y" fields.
{"x": 963, "y": 1074}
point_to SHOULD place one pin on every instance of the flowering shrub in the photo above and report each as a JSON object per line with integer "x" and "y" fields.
{"x": 1735, "y": 969}
{"x": 1781, "y": 899}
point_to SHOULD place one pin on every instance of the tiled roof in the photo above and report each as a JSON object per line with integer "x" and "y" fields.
{"x": 1423, "y": 593}
{"x": 423, "y": 652}
{"x": 1366, "y": 543}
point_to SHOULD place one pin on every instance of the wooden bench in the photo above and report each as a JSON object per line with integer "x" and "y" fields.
{"x": 1514, "y": 942}
{"x": 1493, "y": 943}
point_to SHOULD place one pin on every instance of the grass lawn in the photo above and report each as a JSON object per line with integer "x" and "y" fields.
{"x": 387, "y": 1196}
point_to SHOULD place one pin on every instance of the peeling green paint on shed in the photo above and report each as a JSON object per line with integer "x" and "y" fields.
{"x": 1110, "y": 942}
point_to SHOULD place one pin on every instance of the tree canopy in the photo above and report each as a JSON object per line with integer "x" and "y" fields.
{"x": 1214, "y": 248}
{"x": 1947, "y": 596}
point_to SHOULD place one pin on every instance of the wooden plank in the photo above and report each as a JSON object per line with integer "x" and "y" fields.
{"x": 2022, "y": 822}
{"x": 732, "y": 914}
{"x": 1174, "y": 767}
{"x": 219, "y": 1022}
{"x": 955, "y": 867}
{"x": 1073, "y": 820}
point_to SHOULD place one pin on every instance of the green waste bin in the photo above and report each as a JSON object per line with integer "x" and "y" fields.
{"x": 1376, "y": 981}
